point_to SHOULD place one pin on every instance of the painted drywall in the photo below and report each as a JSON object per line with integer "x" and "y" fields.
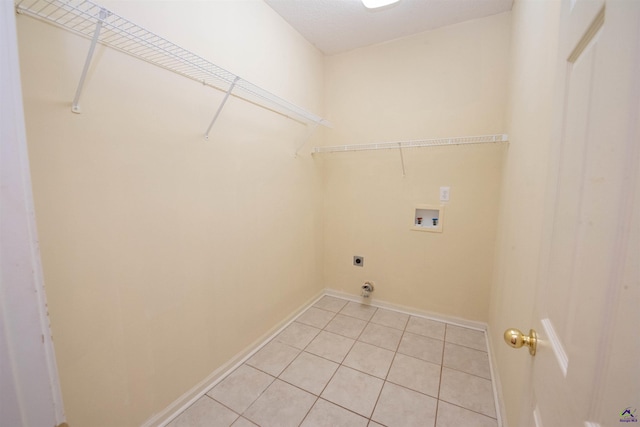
{"x": 443, "y": 83}
{"x": 165, "y": 254}
{"x": 531, "y": 95}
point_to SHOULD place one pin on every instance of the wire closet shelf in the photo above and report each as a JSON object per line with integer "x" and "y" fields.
{"x": 93, "y": 21}
{"x": 465, "y": 140}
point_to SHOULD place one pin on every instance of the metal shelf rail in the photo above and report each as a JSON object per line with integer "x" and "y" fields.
{"x": 99, "y": 24}
{"x": 438, "y": 142}
{"x": 414, "y": 143}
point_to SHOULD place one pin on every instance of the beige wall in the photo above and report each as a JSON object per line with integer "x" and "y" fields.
{"x": 531, "y": 96}
{"x": 447, "y": 82}
{"x": 165, "y": 254}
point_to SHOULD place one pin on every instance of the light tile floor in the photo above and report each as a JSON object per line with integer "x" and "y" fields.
{"x": 346, "y": 364}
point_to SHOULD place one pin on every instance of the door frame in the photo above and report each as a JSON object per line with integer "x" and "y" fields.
{"x": 29, "y": 383}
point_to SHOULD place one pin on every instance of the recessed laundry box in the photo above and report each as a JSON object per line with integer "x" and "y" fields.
{"x": 427, "y": 218}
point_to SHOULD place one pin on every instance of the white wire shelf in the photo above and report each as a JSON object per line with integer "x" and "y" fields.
{"x": 483, "y": 139}
{"x": 93, "y": 21}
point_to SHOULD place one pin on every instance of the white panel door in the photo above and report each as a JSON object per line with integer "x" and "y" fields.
{"x": 587, "y": 369}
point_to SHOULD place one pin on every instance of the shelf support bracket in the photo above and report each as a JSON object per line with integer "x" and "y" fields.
{"x": 76, "y": 99}
{"x": 224, "y": 101}
{"x": 307, "y": 137}
{"x": 402, "y": 159}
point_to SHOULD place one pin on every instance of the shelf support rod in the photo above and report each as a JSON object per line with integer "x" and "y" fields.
{"x": 224, "y": 101}
{"x": 401, "y": 159}
{"x": 307, "y": 137}
{"x": 103, "y": 15}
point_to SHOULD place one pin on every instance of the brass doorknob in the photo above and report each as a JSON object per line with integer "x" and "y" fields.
{"x": 517, "y": 339}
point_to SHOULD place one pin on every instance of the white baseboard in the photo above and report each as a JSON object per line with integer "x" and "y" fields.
{"x": 189, "y": 398}
{"x": 501, "y": 414}
{"x": 164, "y": 417}
{"x": 453, "y": 320}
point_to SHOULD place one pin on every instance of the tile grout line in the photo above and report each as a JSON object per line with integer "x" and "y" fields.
{"x": 341, "y": 364}
{"x": 404, "y": 331}
{"x": 457, "y": 370}
{"x": 355, "y": 340}
{"x": 318, "y": 397}
{"x": 467, "y": 347}
{"x": 334, "y": 372}
{"x": 309, "y": 411}
{"x": 444, "y": 342}
{"x": 370, "y": 417}
{"x": 453, "y": 321}
{"x": 469, "y": 410}
{"x": 241, "y": 361}
{"x": 274, "y": 339}
{"x": 395, "y": 353}
{"x": 301, "y": 350}
{"x": 219, "y": 403}
{"x": 385, "y": 380}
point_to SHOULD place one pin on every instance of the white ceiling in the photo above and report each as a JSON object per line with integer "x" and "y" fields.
{"x": 335, "y": 26}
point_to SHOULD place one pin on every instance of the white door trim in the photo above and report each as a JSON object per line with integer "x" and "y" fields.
{"x": 29, "y": 384}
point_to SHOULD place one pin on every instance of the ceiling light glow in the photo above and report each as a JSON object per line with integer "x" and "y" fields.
{"x": 374, "y": 4}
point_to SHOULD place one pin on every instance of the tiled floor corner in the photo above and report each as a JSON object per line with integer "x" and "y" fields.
{"x": 347, "y": 364}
